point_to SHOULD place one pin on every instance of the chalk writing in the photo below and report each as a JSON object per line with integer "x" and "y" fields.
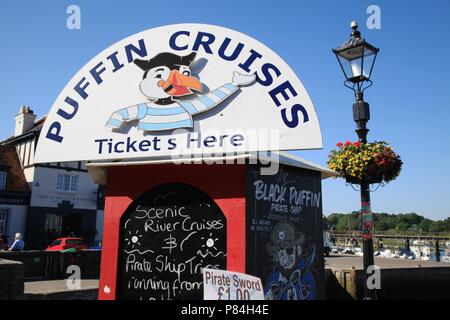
{"x": 279, "y": 194}
{"x": 283, "y": 229}
{"x": 168, "y": 236}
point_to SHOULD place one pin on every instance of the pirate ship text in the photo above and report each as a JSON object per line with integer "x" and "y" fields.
{"x": 248, "y": 59}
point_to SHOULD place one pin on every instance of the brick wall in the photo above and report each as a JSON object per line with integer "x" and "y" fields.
{"x": 11, "y": 280}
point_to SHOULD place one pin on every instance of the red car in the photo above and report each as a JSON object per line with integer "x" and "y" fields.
{"x": 67, "y": 243}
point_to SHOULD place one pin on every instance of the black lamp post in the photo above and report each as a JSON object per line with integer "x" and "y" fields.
{"x": 357, "y": 58}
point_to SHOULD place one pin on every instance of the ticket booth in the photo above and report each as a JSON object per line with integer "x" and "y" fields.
{"x": 195, "y": 90}
{"x": 164, "y": 222}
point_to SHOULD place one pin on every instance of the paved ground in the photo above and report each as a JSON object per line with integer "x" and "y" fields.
{"x": 56, "y": 286}
{"x": 339, "y": 262}
{"x": 334, "y": 262}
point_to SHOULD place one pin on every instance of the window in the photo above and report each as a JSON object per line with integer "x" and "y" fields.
{"x": 74, "y": 183}
{"x": 3, "y": 177}
{"x": 59, "y": 182}
{"x": 52, "y": 226}
{"x": 3, "y": 220}
{"x": 74, "y": 241}
{"x": 55, "y": 243}
{"x": 66, "y": 182}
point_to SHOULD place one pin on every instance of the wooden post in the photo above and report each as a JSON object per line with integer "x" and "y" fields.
{"x": 436, "y": 251}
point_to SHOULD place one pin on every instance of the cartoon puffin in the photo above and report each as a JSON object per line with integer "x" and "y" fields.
{"x": 168, "y": 76}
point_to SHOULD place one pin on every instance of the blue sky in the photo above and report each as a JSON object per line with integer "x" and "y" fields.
{"x": 410, "y": 99}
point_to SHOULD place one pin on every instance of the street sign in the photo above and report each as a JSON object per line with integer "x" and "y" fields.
{"x": 227, "y": 285}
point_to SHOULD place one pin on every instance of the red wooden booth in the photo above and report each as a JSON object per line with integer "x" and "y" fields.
{"x": 165, "y": 222}
{"x": 144, "y": 258}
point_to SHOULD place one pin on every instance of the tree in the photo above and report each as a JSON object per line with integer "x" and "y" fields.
{"x": 389, "y": 222}
{"x": 333, "y": 219}
{"x": 349, "y": 222}
{"x": 437, "y": 226}
{"x": 424, "y": 225}
{"x": 381, "y": 226}
{"x": 402, "y": 226}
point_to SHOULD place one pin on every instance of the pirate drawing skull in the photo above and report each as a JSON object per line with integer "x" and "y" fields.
{"x": 291, "y": 277}
{"x": 285, "y": 245}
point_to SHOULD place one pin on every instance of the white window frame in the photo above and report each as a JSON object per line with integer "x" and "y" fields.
{"x": 60, "y": 182}
{"x": 74, "y": 183}
{"x": 67, "y": 182}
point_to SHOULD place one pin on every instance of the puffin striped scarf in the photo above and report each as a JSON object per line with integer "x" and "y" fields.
{"x": 154, "y": 117}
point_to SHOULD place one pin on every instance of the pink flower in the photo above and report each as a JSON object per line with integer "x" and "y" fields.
{"x": 357, "y": 144}
{"x": 339, "y": 144}
{"x": 347, "y": 143}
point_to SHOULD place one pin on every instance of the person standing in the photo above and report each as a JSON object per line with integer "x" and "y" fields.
{"x": 18, "y": 244}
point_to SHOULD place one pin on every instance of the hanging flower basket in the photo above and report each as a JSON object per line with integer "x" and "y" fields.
{"x": 370, "y": 162}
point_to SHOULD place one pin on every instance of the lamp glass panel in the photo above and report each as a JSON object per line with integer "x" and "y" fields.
{"x": 355, "y": 66}
{"x": 369, "y": 59}
{"x": 352, "y": 68}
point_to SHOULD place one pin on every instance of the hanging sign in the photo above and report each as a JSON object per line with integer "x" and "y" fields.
{"x": 176, "y": 90}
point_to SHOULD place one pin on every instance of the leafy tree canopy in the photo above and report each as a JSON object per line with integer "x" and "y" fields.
{"x": 396, "y": 223}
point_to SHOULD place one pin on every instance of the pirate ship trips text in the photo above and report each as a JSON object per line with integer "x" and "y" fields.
{"x": 268, "y": 75}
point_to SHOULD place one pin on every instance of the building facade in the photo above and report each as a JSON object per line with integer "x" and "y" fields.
{"x": 14, "y": 194}
{"x": 63, "y": 200}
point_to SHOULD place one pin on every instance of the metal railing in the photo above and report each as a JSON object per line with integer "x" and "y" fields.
{"x": 407, "y": 235}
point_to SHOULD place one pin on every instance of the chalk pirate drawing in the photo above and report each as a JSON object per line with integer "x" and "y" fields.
{"x": 291, "y": 277}
{"x": 167, "y": 77}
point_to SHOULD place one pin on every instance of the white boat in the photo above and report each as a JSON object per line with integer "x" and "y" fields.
{"x": 426, "y": 251}
{"x": 416, "y": 251}
{"x": 348, "y": 250}
{"x": 334, "y": 249}
{"x": 388, "y": 253}
{"x": 421, "y": 252}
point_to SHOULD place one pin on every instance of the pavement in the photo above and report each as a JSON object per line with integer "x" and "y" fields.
{"x": 340, "y": 262}
{"x": 58, "y": 289}
{"x": 58, "y": 286}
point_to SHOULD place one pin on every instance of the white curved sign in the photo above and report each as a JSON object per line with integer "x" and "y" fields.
{"x": 175, "y": 90}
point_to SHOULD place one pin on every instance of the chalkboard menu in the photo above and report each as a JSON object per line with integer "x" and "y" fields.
{"x": 284, "y": 233}
{"x": 167, "y": 236}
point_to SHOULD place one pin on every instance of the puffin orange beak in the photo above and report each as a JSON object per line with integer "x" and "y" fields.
{"x": 178, "y": 84}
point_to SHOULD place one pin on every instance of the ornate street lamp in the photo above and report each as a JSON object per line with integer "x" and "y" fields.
{"x": 357, "y": 58}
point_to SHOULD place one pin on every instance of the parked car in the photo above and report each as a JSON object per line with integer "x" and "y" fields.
{"x": 67, "y": 243}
